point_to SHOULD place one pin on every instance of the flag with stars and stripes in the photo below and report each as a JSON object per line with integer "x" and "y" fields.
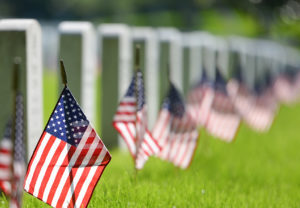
{"x": 130, "y": 121}
{"x": 223, "y": 120}
{"x": 199, "y": 100}
{"x": 176, "y": 131}
{"x": 69, "y": 158}
{"x": 6, "y": 160}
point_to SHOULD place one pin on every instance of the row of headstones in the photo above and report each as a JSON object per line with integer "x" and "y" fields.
{"x": 79, "y": 42}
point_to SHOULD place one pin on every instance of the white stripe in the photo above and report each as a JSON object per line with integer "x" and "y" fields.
{"x": 5, "y": 175}
{"x": 36, "y": 160}
{"x": 45, "y": 167}
{"x": 128, "y": 99}
{"x": 88, "y": 179}
{"x": 6, "y": 144}
{"x": 5, "y": 159}
{"x": 71, "y": 163}
{"x": 126, "y": 108}
{"x": 55, "y": 169}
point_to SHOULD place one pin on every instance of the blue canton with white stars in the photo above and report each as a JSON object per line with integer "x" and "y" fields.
{"x": 137, "y": 87}
{"x": 174, "y": 103}
{"x": 67, "y": 122}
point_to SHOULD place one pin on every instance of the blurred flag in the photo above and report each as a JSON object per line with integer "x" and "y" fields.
{"x": 19, "y": 167}
{"x": 286, "y": 87}
{"x": 199, "y": 100}
{"x": 223, "y": 121}
{"x": 130, "y": 121}
{"x": 69, "y": 158}
{"x": 13, "y": 155}
{"x": 6, "y": 160}
{"x": 176, "y": 131}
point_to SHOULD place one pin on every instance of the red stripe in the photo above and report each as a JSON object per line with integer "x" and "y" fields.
{"x": 41, "y": 162}
{"x": 73, "y": 171}
{"x": 93, "y": 183}
{"x": 128, "y": 113}
{"x": 49, "y": 170}
{"x": 59, "y": 174}
{"x": 5, "y": 151}
{"x": 127, "y": 103}
{"x": 3, "y": 166}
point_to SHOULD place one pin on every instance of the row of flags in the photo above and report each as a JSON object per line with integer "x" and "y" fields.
{"x": 218, "y": 106}
{"x": 70, "y": 157}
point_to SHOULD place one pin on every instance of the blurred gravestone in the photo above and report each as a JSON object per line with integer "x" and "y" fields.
{"x": 148, "y": 41}
{"x": 209, "y": 55}
{"x": 22, "y": 37}
{"x": 78, "y": 51}
{"x": 116, "y": 57}
{"x": 192, "y": 50}
{"x": 170, "y": 53}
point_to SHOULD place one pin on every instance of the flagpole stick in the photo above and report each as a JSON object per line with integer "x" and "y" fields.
{"x": 63, "y": 73}
{"x": 15, "y": 89}
{"x": 137, "y": 69}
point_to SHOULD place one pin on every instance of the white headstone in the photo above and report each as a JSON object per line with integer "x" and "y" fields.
{"x": 87, "y": 55}
{"x": 148, "y": 37}
{"x": 173, "y": 38}
{"x": 22, "y": 37}
{"x": 116, "y": 60}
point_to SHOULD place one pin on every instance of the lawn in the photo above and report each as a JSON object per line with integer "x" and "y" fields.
{"x": 256, "y": 170}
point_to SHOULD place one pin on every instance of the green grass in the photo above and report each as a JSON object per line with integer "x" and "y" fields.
{"x": 256, "y": 170}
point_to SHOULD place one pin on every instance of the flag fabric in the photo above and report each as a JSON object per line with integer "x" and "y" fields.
{"x": 285, "y": 90}
{"x": 6, "y": 160}
{"x": 19, "y": 162}
{"x": 223, "y": 121}
{"x": 199, "y": 100}
{"x": 69, "y": 158}
{"x": 130, "y": 121}
{"x": 176, "y": 131}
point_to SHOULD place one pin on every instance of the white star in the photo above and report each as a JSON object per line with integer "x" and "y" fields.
{"x": 53, "y": 124}
{"x": 78, "y": 127}
{"x": 55, "y": 130}
{"x": 58, "y": 122}
{"x": 64, "y": 120}
{"x": 60, "y": 128}
{"x": 73, "y": 110}
{"x": 55, "y": 111}
{"x": 62, "y": 134}
{"x": 69, "y": 118}
{"x": 70, "y": 99}
{"x": 60, "y": 109}
{"x": 68, "y": 112}
{"x": 51, "y": 119}
{"x": 62, "y": 114}
{"x": 63, "y": 96}
{"x": 69, "y": 137}
{"x": 75, "y": 116}
{"x": 59, "y": 103}
{"x": 72, "y": 129}
{"x": 57, "y": 117}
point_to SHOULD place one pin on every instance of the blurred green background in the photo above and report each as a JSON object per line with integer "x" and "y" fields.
{"x": 278, "y": 19}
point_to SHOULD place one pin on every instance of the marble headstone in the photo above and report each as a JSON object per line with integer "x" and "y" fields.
{"x": 78, "y": 50}
{"x": 116, "y": 60}
{"x": 22, "y": 38}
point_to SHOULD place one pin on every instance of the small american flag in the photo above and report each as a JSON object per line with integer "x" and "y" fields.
{"x": 6, "y": 160}
{"x": 176, "y": 131}
{"x": 12, "y": 183}
{"x": 19, "y": 155}
{"x": 69, "y": 158}
{"x": 130, "y": 121}
{"x": 199, "y": 100}
{"x": 223, "y": 121}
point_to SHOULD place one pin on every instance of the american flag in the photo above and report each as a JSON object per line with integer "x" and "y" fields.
{"x": 130, "y": 121}
{"x": 223, "y": 121}
{"x": 12, "y": 182}
{"x": 199, "y": 100}
{"x": 19, "y": 162}
{"x": 6, "y": 160}
{"x": 69, "y": 158}
{"x": 285, "y": 89}
{"x": 176, "y": 131}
